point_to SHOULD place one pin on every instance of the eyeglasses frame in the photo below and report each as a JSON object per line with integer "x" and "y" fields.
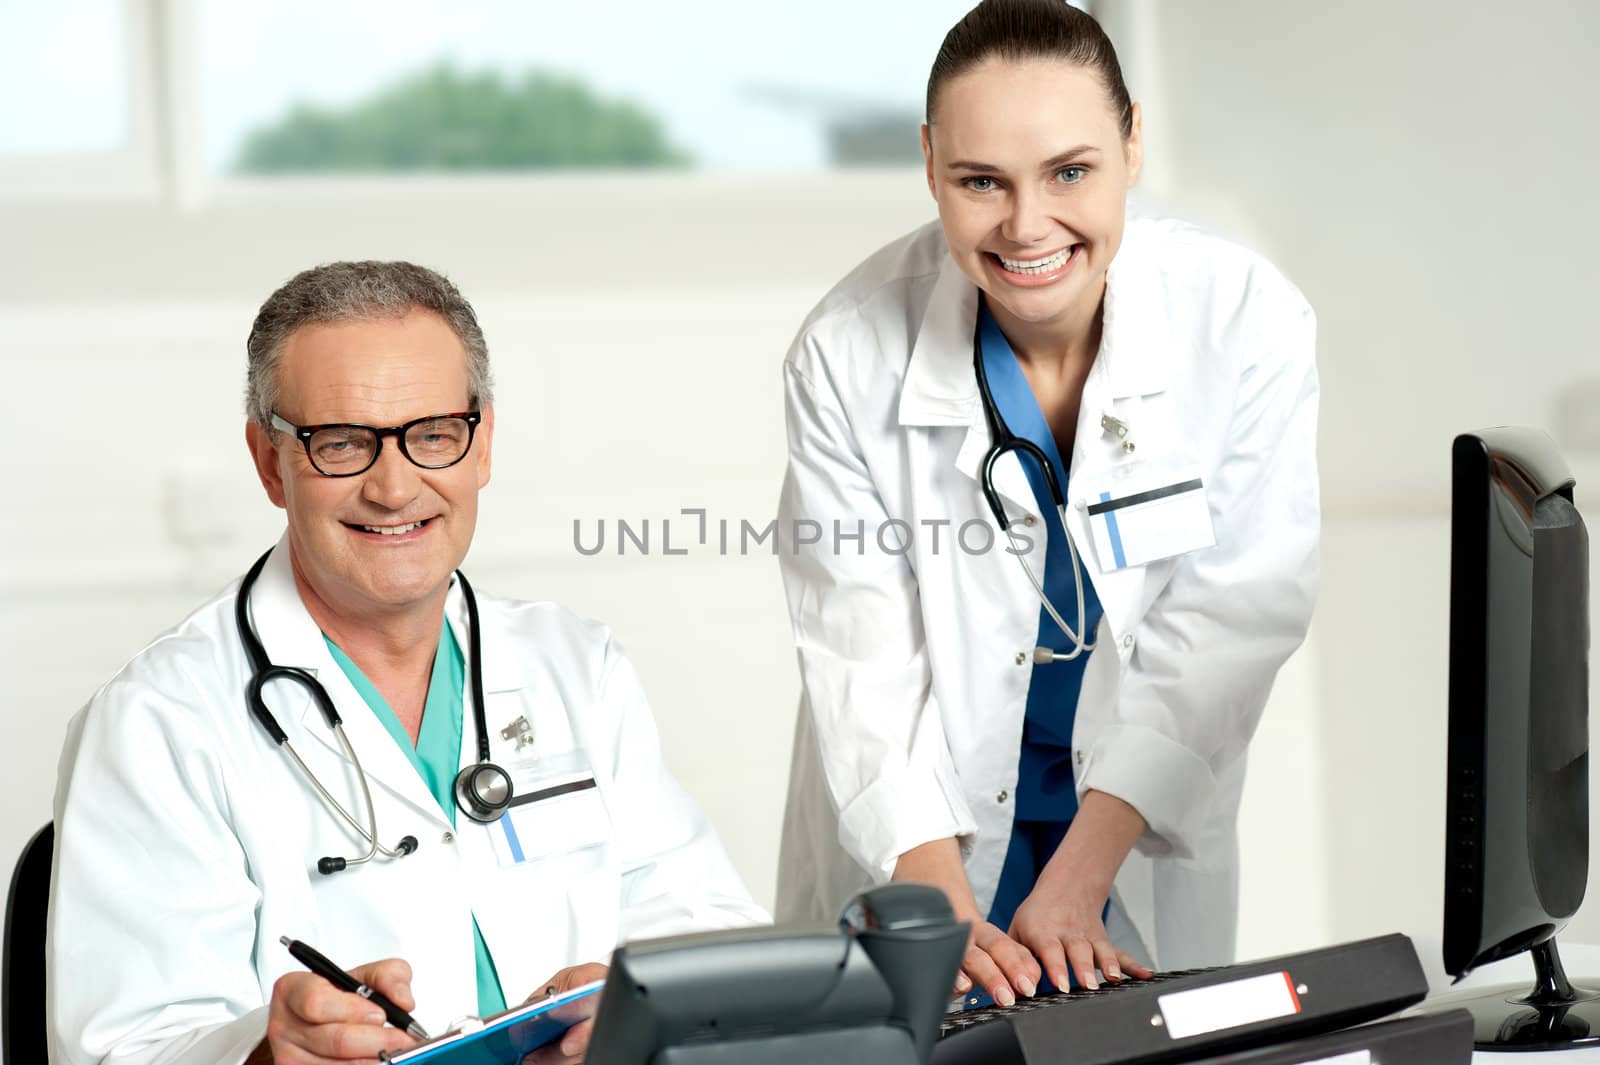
{"x": 304, "y": 433}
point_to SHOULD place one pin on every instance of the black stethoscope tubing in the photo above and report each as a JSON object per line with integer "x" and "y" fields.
{"x": 1003, "y": 441}
{"x": 483, "y": 789}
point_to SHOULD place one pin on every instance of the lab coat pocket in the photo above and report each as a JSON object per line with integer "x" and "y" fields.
{"x": 1149, "y": 514}
{"x": 556, "y": 808}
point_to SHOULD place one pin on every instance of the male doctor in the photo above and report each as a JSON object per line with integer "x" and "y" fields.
{"x": 188, "y": 841}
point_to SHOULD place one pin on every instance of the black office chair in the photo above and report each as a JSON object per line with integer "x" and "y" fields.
{"x": 22, "y": 1027}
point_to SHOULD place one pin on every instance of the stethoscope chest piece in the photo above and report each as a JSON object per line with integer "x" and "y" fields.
{"x": 483, "y": 792}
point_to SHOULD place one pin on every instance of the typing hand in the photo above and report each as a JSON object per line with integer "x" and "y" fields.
{"x": 997, "y": 963}
{"x": 311, "y": 1021}
{"x": 574, "y": 1043}
{"x": 1062, "y": 927}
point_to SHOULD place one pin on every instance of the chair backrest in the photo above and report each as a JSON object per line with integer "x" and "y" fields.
{"x": 22, "y": 1024}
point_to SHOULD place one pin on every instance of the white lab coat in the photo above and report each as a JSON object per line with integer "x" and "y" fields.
{"x": 915, "y": 665}
{"x": 186, "y": 841}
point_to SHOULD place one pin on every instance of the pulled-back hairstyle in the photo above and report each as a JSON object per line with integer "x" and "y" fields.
{"x": 347, "y": 291}
{"x": 1031, "y": 29}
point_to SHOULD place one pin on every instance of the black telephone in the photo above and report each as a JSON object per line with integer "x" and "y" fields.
{"x": 868, "y": 992}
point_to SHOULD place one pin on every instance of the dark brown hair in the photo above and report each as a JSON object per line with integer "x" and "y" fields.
{"x": 1031, "y": 29}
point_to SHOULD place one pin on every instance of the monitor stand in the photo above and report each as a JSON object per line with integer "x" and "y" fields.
{"x": 1553, "y": 1015}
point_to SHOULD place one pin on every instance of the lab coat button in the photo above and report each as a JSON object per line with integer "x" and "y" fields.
{"x": 1003, "y": 796}
{"x": 1028, "y": 520}
{"x": 1022, "y": 656}
{"x": 448, "y": 837}
{"x": 1127, "y": 641}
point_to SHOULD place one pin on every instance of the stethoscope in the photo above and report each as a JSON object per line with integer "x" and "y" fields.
{"x": 483, "y": 790}
{"x": 1001, "y": 442}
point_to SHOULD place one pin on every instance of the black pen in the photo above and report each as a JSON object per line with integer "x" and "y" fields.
{"x": 345, "y": 982}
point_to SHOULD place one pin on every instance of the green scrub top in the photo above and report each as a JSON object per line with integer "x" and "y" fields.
{"x": 437, "y": 759}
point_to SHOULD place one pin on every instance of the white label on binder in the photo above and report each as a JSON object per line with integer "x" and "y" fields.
{"x": 1355, "y": 1057}
{"x": 1229, "y": 1005}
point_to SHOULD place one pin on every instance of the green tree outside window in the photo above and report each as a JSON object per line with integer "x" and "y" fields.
{"x": 443, "y": 119}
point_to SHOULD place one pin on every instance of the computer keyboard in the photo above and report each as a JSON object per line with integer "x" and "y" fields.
{"x": 974, "y": 1014}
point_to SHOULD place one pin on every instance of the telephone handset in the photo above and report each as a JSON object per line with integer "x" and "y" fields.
{"x": 869, "y": 991}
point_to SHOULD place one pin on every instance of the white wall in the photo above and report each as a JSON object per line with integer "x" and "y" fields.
{"x": 1424, "y": 171}
{"x": 1421, "y": 169}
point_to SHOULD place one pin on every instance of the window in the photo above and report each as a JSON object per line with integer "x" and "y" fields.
{"x": 81, "y": 114}
{"x": 63, "y": 75}
{"x": 716, "y": 85}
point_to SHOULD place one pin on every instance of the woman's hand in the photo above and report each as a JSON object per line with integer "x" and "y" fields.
{"x": 1062, "y": 928}
{"x": 993, "y": 961}
{"x": 1060, "y": 919}
{"x": 997, "y": 963}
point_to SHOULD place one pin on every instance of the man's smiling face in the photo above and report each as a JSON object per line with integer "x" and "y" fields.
{"x": 387, "y": 539}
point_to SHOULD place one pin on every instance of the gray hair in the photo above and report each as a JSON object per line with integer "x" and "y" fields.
{"x": 352, "y": 291}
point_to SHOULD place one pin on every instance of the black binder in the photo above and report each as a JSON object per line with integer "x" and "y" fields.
{"x": 1435, "y": 1039}
{"x": 1221, "y": 1011}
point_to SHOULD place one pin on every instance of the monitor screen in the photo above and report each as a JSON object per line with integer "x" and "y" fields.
{"x": 1517, "y": 807}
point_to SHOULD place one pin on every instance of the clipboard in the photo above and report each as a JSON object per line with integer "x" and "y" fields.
{"x": 506, "y": 1037}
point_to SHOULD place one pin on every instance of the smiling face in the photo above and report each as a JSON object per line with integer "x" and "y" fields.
{"x": 1031, "y": 174}
{"x": 386, "y": 540}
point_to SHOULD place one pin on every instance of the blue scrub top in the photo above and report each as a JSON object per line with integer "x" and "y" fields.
{"x": 436, "y": 756}
{"x": 1046, "y": 799}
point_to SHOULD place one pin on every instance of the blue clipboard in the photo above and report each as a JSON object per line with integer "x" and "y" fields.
{"x": 506, "y": 1037}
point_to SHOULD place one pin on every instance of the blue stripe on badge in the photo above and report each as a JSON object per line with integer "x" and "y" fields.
{"x": 511, "y": 836}
{"x": 1111, "y": 530}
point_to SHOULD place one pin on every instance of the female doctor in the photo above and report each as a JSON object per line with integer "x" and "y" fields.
{"x": 1043, "y": 708}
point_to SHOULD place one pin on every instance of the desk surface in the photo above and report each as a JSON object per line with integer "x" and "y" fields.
{"x": 1582, "y": 963}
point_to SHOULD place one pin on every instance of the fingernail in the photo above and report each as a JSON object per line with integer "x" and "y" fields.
{"x": 1091, "y": 983}
{"x": 376, "y": 1017}
{"x": 1113, "y": 973}
{"x": 963, "y": 985}
{"x": 1026, "y": 986}
{"x": 1004, "y": 996}
{"x": 569, "y": 1047}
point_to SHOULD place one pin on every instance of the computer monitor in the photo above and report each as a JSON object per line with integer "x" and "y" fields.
{"x": 1517, "y": 805}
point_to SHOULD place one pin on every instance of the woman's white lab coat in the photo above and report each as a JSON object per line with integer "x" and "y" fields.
{"x": 187, "y": 843}
{"x": 915, "y": 663}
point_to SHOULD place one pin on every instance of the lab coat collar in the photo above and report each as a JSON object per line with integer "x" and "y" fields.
{"x": 941, "y": 387}
{"x": 501, "y": 660}
{"x": 1136, "y": 345}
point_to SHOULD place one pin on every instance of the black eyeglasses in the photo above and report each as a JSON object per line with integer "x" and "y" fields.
{"x": 344, "y": 450}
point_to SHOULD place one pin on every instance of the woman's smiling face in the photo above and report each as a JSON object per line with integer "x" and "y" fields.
{"x": 1028, "y": 164}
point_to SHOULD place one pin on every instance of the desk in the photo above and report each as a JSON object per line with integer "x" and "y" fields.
{"x": 1582, "y": 964}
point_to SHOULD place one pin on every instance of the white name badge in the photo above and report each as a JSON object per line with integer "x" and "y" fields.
{"x": 555, "y": 808}
{"x": 1145, "y": 519}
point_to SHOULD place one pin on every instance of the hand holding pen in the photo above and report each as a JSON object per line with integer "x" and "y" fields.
{"x": 319, "y": 1016}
